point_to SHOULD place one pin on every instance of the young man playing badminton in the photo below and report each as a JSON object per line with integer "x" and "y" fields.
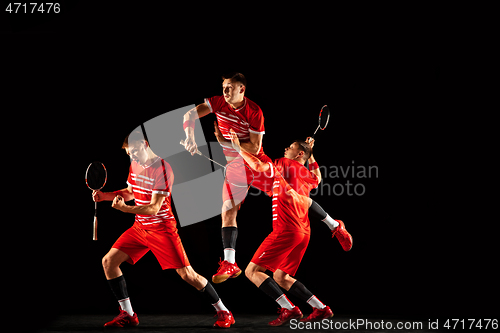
{"x": 149, "y": 183}
{"x": 283, "y": 249}
{"x": 233, "y": 110}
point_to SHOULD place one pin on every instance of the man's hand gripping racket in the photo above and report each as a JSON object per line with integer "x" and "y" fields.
{"x": 236, "y": 173}
{"x": 194, "y": 149}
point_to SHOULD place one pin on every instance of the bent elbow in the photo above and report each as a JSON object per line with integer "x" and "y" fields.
{"x": 263, "y": 167}
{"x": 190, "y": 115}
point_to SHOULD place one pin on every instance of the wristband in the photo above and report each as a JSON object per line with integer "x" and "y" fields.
{"x": 313, "y": 166}
{"x": 188, "y": 123}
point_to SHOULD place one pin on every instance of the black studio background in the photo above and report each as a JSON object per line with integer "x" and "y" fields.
{"x": 79, "y": 84}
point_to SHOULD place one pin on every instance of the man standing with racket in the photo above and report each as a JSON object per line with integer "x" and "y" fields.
{"x": 233, "y": 110}
{"x": 283, "y": 249}
{"x": 149, "y": 184}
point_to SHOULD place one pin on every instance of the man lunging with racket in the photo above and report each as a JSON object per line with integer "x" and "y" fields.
{"x": 149, "y": 183}
{"x": 283, "y": 249}
{"x": 233, "y": 110}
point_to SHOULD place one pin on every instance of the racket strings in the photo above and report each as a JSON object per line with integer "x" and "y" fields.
{"x": 96, "y": 176}
{"x": 324, "y": 117}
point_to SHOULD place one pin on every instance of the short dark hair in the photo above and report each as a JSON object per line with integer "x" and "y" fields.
{"x": 235, "y": 77}
{"x": 305, "y": 147}
{"x": 136, "y": 135}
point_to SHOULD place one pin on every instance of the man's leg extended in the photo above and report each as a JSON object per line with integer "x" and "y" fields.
{"x": 288, "y": 311}
{"x": 225, "y": 317}
{"x": 228, "y": 267}
{"x": 229, "y": 229}
{"x": 257, "y": 275}
{"x": 297, "y": 289}
{"x": 319, "y": 213}
{"x": 111, "y": 264}
{"x": 336, "y": 226}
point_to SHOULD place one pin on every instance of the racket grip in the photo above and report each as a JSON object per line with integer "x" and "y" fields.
{"x": 94, "y": 234}
{"x": 184, "y": 144}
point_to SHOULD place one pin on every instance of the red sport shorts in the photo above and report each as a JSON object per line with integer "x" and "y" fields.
{"x": 282, "y": 250}
{"x": 166, "y": 246}
{"x": 238, "y": 178}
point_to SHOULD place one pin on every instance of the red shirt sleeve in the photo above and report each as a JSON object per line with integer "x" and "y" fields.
{"x": 215, "y": 103}
{"x": 257, "y": 123}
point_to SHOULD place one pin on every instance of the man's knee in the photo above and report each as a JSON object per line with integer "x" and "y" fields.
{"x": 229, "y": 212}
{"x": 187, "y": 274}
{"x": 107, "y": 262}
{"x": 113, "y": 259}
{"x": 249, "y": 272}
{"x": 229, "y": 207}
{"x": 252, "y": 269}
{"x": 281, "y": 278}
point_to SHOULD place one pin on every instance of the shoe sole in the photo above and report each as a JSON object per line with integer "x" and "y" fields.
{"x": 286, "y": 322}
{"x": 119, "y": 326}
{"x": 232, "y": 323}
{"x": 350, "y": 237}
{"x": 314, "y": 320}
{"x": 223, "y": 277}
{"x": 349, "y": 249}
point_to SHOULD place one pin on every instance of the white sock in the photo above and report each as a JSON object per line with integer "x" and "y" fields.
{"x": 219, "y": 306}
{"x": 284, "y": 302}
{"x": 230, "y": 255}
{"x": 315, "y": 303}
{"x": 331, "y": 223}
{"x": 126, "y": 306}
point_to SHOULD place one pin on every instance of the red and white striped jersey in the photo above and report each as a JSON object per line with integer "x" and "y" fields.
{"x": 145, "y": 181}
{"x": 244, "y": 120}
{"x": 290, "y": 213}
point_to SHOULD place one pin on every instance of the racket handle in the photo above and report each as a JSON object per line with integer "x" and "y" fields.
{"x": 94, "y": 235}
{"x": 197, "y": 151}
{"x": 317, "y": 128}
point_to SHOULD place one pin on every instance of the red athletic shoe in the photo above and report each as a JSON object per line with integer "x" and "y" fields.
{"x": 123, "y": 319}
{"x": 224, "y": 319}
{"x": 226, "y": 270}
{"x": 286, "y": 315}
{"x": 319, "y": 314}
{"x": 345, "y": 238}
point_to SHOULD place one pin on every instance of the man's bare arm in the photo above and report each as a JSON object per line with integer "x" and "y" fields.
{"x": 252, "y": 161}
{"x": 317, "y": 172}
{"x": 126, "y": 193}
{"x": 311, "y": 159}
{"x": 253, "y": 146}
{"x": 151, "y": 209}
{"x": 199, "y": 111}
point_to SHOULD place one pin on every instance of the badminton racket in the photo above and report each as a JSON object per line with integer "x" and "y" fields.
{"x": 95, "y": 177}
{"x": 324, "y": 117}
{"x": 236, "y": 172}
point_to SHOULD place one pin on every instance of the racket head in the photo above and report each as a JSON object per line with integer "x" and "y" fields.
{"x": 239, "y": 174}
{"x": 324, "y": 117}
{"x": 96, "y": 176}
